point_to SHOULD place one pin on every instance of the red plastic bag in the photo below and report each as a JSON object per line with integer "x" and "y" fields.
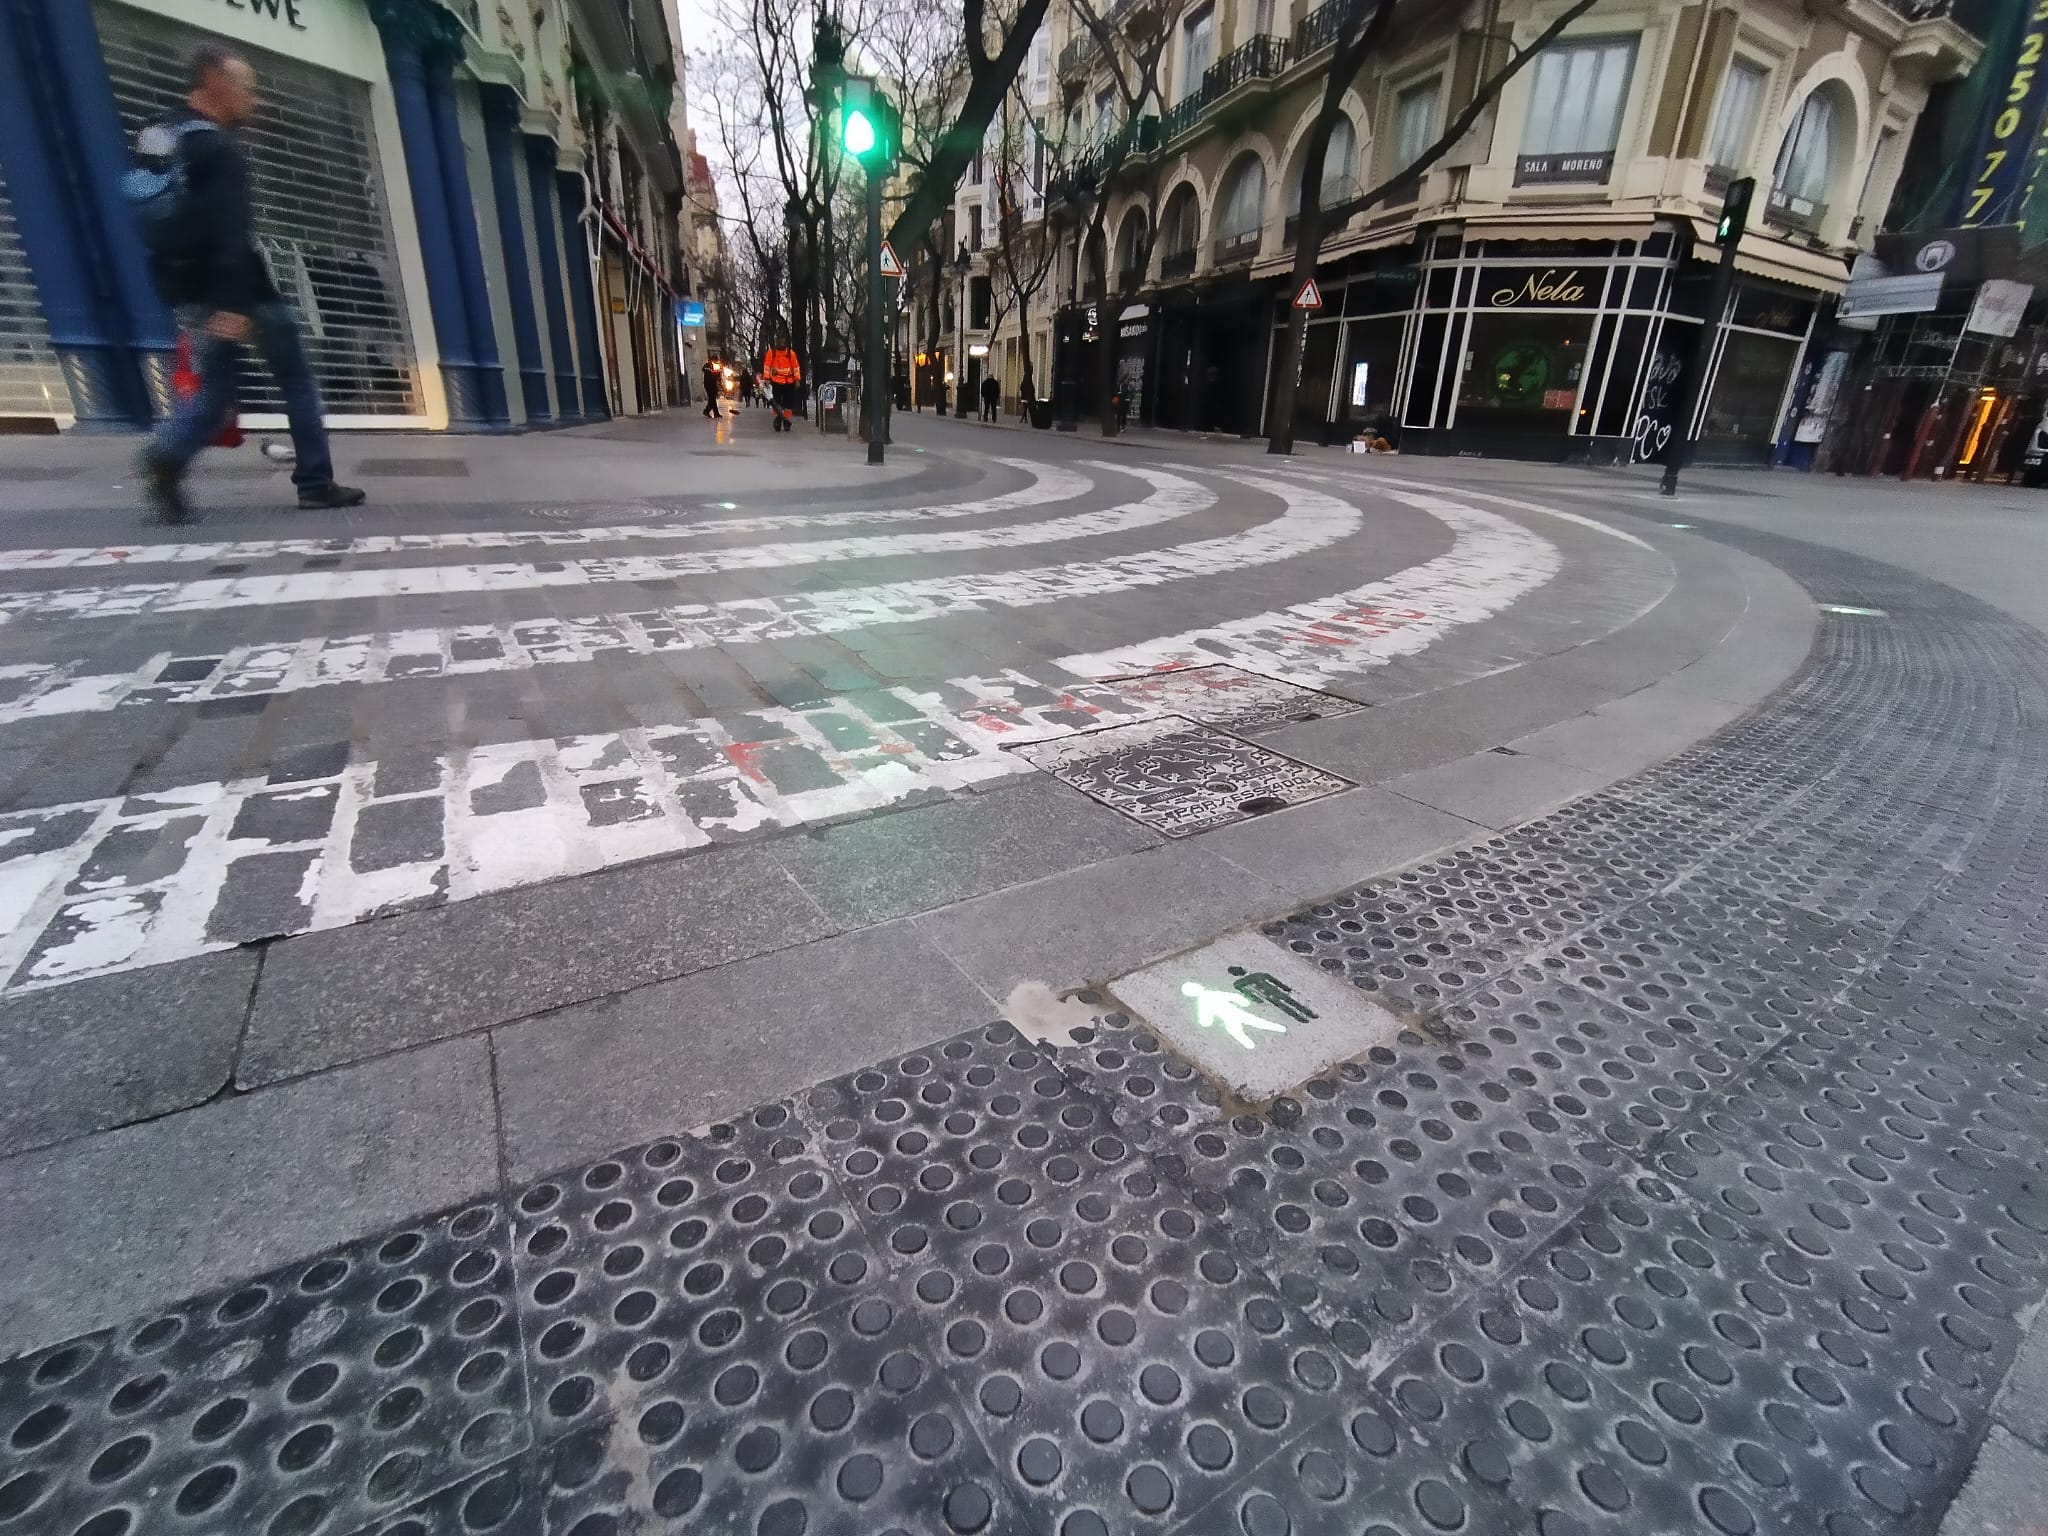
{"x": 185, "y": 384}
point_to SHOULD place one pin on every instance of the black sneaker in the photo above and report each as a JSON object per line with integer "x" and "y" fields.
{"x": 162, "y": 490}
{"x": 330, "y": 495}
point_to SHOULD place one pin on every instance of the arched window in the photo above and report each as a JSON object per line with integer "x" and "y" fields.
{"x": 1340, "y": 167}
{"x": 1811, "y": 153}
{"x": 1130, "y": 245}
{"x": 1242, "y": 209}
{"x": 1182, "y": 224}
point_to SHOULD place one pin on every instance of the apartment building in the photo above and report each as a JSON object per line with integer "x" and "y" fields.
{"x": 1538, "y": 290}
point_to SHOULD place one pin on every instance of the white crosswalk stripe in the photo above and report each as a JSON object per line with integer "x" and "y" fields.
{"x": 1172, "y": 497}
{"x": 1049, "y": 484}
{"x": 127, "y": 881}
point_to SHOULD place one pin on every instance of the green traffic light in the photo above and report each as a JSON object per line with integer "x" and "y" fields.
{"x": 858, "y": 134}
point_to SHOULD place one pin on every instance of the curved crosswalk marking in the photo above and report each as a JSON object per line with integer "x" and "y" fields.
{"x": 1172, "y": 497}
{"x": 1049, "y": 484}
{"x": 114, "y": 884}
{"x": 1310, "y": 520}
{"x": 1491, "y": 562}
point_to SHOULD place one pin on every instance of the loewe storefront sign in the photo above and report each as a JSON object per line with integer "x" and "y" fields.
{"x": 283, "y": 11}
{"x": 1534, "y": 288}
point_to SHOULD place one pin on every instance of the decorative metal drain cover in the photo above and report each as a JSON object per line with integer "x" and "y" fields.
{"x": 1233, "y": 698}
{"x": 600, "y": 514}
{"x": 1180, "y": 777}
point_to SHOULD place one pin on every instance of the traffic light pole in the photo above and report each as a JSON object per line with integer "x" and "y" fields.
{"x": 1734, "y": 219}
{"x": 875, "y": 369}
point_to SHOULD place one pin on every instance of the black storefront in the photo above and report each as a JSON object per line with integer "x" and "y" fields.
{"x": 1560, "y": 350}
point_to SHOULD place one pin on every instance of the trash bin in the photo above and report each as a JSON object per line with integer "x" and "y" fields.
{"x": 837, "y": 405}
{"x": 1041, "y": 415}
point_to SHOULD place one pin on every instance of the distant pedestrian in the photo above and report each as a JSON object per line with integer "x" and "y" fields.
{"x": 746, "y": 396}
{"x": 1123, "y": 410}
{"x": 193, "y": 195}
{"x": 780, "y": 368}
{"x": 991, "y": 396}
{"x": 714, "y": 380}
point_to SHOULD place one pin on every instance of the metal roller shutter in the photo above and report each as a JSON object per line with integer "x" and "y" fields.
{"x": 31, "y": 383}
{"x": 321, "y": 217}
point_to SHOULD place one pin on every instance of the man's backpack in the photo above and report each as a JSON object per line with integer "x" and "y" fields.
{"x": 159, "y": 189}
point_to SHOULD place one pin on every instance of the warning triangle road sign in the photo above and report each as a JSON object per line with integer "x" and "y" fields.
{"x": 891, "y": 267}
{"x": 1310, "y": 296}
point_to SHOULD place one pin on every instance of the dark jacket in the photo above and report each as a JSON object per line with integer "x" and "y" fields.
{"x": 989, "y": 390}
{"x": 222, "y": 269}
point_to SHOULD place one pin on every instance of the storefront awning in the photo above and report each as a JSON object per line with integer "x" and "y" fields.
{"x": 1761, "y": 256}
{"x": 1589, "y": 226}
{"x": 616, "y": 227}
{"x": 1281, "y": 264}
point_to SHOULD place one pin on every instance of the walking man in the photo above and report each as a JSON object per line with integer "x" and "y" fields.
{"x": 779, "y": 367}
{"x": 991, "y": 394}
{"x": 216, "y": 281}
{"x": 714, "y": 377}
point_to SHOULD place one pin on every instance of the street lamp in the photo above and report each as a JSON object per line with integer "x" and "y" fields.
{"x": 962, "y": 265}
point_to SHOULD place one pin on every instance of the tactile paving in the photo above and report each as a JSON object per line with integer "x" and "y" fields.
{"x": 1706, "y": 1192}
{"x": 309, "y": 1399}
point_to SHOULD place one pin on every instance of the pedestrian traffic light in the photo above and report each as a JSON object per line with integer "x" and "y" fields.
{"x": 1735, "y": 210}
{"x": 867, "y": 123}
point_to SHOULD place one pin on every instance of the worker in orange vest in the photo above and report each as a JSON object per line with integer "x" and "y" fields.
{"x": 779, "y": 367}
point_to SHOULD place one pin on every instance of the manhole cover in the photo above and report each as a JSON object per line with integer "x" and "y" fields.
{"x": 1233, "y": 698}
{"x": 1178, "y": 776}
{"x": 1253, "y": 1016}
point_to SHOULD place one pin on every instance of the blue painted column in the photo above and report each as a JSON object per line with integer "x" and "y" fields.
{"x": 468, "y": 246}
{"x": 540, "y": 184}
{"x": 596, "y": 403}
{"x": 64, "y": 151}
{"x": 501, "y": 128}
{"x": 414, "y": 44}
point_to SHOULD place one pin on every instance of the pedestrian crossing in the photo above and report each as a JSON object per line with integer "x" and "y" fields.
{"x": 323, "y": 837}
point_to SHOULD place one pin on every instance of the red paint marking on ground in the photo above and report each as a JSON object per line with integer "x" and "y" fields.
{"x": 745, "y": 756}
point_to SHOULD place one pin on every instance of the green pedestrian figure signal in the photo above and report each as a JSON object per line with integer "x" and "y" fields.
{"x": 1735, "y": 210}
{"x": 870, "y": 129}
{"x": 1226, "y": 1010}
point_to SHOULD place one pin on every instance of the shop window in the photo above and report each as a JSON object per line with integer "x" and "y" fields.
{"x": 1735, "y": 113}
{"x": 1415, "y": 122}
{"x": 1522, "y": 370}
{"x": 1807, "y": 160}
{"x": 1197, "y": 49}
{"x": 1241, "y": 211}
{"x": 1575, "y": 105}
{"x": 1742, "y": 412}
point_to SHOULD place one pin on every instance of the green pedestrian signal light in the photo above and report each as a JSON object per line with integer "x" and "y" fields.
{"x": 867, "y": 123}
{"x": 858, "y": 134}
{"x": 1735, "y": 211}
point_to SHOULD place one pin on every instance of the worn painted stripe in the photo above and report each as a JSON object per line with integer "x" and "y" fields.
{"x": 1491, "y": 562}
{"x": 1431, "y": 488}
{"x": 114, "y": 884}
{"x": 1049, "y": 484}
{"x": 1172, "y": 497}
{"x": 1311, "y": 520}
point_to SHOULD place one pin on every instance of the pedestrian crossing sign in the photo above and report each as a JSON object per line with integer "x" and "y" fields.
{"x": 891, "y": 267}
{"x": 1310, "y": 296}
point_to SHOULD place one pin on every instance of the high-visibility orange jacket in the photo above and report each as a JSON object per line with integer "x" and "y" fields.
{"x": 779, "y": 366}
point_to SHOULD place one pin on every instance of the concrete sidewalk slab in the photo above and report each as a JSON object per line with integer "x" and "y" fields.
{"x": 101, "y": 1227}
{"x": 345, "y": 994}
{"x": 1497, "y": 790}
{"x": 575, "y": 1083}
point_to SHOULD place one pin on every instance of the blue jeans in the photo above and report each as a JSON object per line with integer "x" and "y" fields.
{"x": 195, "y": 422}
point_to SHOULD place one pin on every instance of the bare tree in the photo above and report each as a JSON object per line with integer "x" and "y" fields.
{"x": 1361, "y": 31}
{"x": 1023, "y": 163}
{"x": 1134, "y": 60}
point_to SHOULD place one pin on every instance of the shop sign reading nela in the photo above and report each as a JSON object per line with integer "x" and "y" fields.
{"x": 1532, "y": 287}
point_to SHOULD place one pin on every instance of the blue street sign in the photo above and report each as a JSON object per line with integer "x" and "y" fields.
{"x": 689, "y": 312}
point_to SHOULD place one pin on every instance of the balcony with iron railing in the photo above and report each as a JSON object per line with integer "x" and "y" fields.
{"x": 1262, "y": 58}
{"x": 1790, "y": 211}
{"x": 1181, "y": 116}
{"x": 1177, "y": 263}
{"x": 1078, "y": 57}
{"x": 1233, "y": 248}
{"x": 1319, "y": 28}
